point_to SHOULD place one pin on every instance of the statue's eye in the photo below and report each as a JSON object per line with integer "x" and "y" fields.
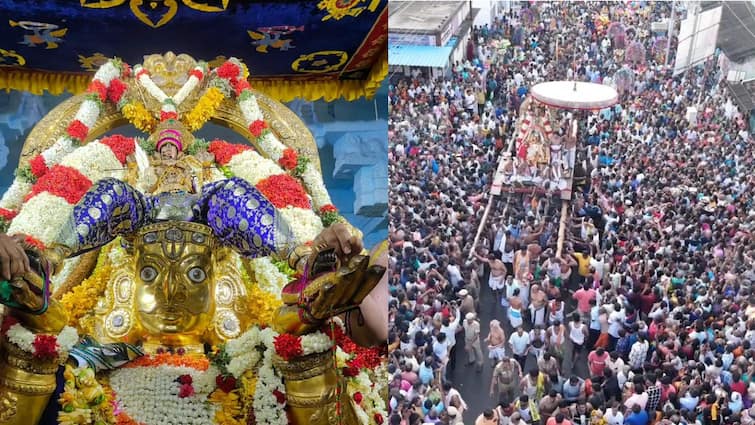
{"x": 197, "y": 275}
{"x": 148, "y": 274}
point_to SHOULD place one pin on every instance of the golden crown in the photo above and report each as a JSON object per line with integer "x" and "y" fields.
{"x": 175, "y": 233}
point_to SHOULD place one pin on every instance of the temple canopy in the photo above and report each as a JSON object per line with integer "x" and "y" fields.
{"x": 310, "y": 50}
{"x": 575, "y": 95}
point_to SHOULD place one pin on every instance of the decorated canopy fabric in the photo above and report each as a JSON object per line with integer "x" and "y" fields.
{"x": 307, "y": 49}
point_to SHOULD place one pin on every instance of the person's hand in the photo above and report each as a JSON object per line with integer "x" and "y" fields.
{"x": 13, "y": 259}
{"x": 339, "y": 238}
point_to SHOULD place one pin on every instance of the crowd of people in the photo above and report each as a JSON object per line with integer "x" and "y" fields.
{"x": 649, "y": 301}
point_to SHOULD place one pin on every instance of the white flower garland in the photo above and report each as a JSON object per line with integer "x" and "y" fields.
{"x": 107, "y": 73}
{"x": 267, "y": 410}
{"x": 96, "y": 161}
{"x": 371, "y": 390}
{"x": 88, "y": 113}
{"x": 14, "y": 197}
{"x": 42, "y": 217}
{"x": 189, "y": 86}
{"x": 62, "y": 147}
{"x": 304, "y": 223}
{"x": 149, "y": 85}
{"x": 273, "y": 148}
{"x": 253, "y": 167}
{"x": 267, "y": 276}
{"x": 150, "y": 394}
{"x": 24, "y": 339}
{"x": 69, "y": 265}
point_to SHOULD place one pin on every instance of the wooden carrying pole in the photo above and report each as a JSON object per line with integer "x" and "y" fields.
{"x": 562, "y": 225}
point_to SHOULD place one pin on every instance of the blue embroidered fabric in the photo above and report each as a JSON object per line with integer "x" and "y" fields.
{"x": 240, "y": 216}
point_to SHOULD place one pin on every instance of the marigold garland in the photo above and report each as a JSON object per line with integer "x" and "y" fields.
{"x": 138, "y": 115}
{"x": 201, "y": 363}
{"x": 262, "y": 302}
{"x": 283, "y": 191}
{"x": 204, "y": 109}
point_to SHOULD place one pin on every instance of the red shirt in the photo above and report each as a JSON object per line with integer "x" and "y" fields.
{"x": 597, "y": 363}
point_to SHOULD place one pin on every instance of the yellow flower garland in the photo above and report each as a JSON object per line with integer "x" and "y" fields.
{"x": 138, "y": 115}
{"x": 84, "y": 397}
{"x": 82, "y": 299}
{"x": 204, "y": 109}
{"x": 262, "y": 302}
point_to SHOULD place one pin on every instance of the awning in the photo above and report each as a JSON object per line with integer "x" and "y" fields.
{"x": 307, "y": 49}
{"x": 427, "y": 56}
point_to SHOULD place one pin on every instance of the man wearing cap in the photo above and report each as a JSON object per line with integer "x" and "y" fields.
{"x": 472, "y": 341}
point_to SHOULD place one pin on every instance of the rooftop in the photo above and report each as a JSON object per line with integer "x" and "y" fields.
{"x": 421, "y": 17}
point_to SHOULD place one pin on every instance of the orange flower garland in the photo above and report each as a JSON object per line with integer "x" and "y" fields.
{"x": 198, "y": 363}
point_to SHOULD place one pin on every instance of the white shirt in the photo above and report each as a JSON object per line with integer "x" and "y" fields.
{"x": 518, "y": 343}
{"x": 614, "y": 417}
{"x": 615, "y": 323}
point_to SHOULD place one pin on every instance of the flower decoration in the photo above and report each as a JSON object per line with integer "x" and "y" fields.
{"x": 228, "y": 70}
{"x": 41, "y": 346}
{"x": 329, "y": 215}
{"x": 289, "y": 160}
{"x": 224, "y": 151}
{"x": 204, "y": 109}
{"x": 98, "y": 88}
{"x": 62, "y": 181}
{"x": 121, "y": 146}
{"x": 116, "y": 90}
{"x": 288, "y": 346}
{"x": 226, "y": 383}
{"x": 138, "y": 115}
{"x": 38, "y": 166}
{"x": 77, "y": 130}
{"x": 258, "y": 128}
{"x": 283, "y": 190}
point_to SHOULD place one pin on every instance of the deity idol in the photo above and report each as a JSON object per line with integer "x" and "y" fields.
{"x": 180, "y": 281}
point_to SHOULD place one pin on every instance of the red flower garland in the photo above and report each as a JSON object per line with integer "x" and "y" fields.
{"x": 185, "y": 380}
{"x": 288, "y": 346}
{"x": 62, "y": 181}
{"x": 239, "y": 85}
{"x": 7, "y": 214}
{"x": 142, "y": 72}
{"x": 257, "y": 128}
{"x": 362, "y": 357}
{"x": 78, "y": 130}
{"x": 289, "y": 159}
{"x": 121, "y": 146}
{"x": 33, "y": 242}
{"x": 99, "y": 88}
{"x": 38, "y": 166}
{"x": 8, "y": 322}
{"x": 225, "y": 383}
{"x": 125, "y": 70}
{"x": 283, "y": 191}
{"x": 165, "y": 116}
{"x": 45, "y": 346}
{"x": 378, "y": 418}
{"x": 228, "y": 70}
{"x": 225, "y": 151}
{"x": 358, "y": 397}
{"x": 197, "y": 73}
{"x": 328, "y": 208}
{"x": 116, "y": 90}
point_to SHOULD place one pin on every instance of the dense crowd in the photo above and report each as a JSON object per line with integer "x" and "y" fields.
{"x": 652, "y": 289}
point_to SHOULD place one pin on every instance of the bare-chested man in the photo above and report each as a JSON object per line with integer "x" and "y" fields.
{"x": 538, "y": 302}
{"x": 496, "y": 342}
{"x": 497, "y": 275}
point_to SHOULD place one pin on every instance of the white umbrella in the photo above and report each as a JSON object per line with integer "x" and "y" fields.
{"x": 575, "y": 95}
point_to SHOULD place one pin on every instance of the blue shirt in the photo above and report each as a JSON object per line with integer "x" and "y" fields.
{"x": 641, "y": 418}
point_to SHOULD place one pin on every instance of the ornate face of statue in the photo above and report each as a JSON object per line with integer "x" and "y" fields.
{"x": 168, "y": 151}
{"x": 174, "y": 270}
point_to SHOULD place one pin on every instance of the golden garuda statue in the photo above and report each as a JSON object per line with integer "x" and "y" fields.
{"x": 172, "y": 280}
